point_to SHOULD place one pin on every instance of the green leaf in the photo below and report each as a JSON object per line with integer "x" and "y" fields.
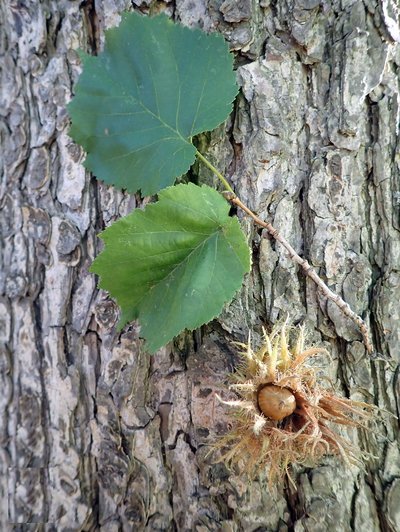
{"x": 139, "y": 102}
{"x": 174, "y": 264}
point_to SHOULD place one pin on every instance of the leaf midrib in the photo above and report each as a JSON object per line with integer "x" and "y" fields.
{"x": 146, "y": 109}
{"x": 171, "y": 314}
{"x": 219, "y": 230}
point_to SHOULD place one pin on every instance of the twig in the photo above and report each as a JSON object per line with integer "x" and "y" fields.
{"x": 308, "y": 270}
{"x": 306, "y": 267}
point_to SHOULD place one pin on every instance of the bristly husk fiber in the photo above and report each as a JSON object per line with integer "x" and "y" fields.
{"x": 257, "y": 443}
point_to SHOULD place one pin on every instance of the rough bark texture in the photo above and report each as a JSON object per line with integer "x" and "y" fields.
{"x": 97, "y": 435}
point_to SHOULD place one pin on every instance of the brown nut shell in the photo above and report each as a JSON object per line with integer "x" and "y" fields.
{"x": 276, "y": 402}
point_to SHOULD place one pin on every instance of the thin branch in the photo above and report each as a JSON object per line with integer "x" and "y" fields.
{"x": 308, "y": 270}
{"x": 304, "y": 264}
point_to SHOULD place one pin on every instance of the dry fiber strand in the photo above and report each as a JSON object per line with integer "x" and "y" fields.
{"x": 284, "y": 415}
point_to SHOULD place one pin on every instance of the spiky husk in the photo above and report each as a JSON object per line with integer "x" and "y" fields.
{"x": 259, "y": 443}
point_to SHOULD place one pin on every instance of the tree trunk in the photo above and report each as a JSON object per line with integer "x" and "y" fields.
{"x": 95, "y": 433}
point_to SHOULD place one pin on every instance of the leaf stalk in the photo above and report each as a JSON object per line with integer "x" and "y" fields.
{"x": 215, "y": 171}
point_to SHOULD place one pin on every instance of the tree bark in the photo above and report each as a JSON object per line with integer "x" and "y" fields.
{"x": 96, "y": 434}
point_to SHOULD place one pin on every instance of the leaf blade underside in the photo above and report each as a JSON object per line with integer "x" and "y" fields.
{"x": 174, "y": 264}
{"x": 139, "y": 102}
